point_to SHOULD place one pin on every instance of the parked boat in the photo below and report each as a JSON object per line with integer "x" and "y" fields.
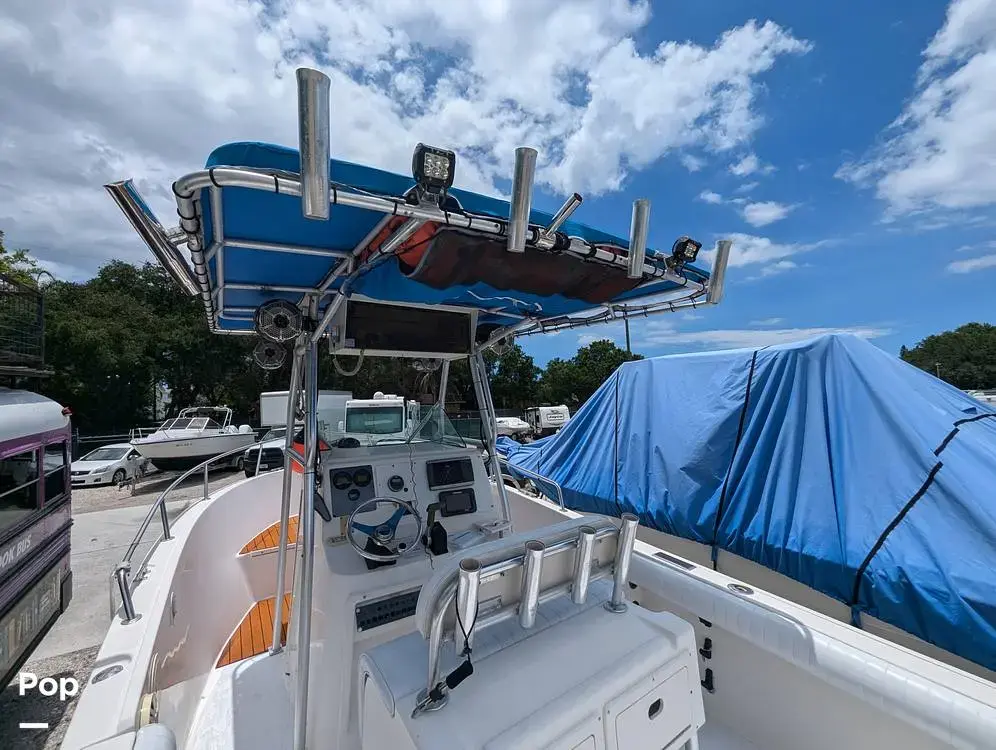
{"x": 512, "y": 426}
{"x": 428, "y": 606}
{"x": 192, "y": 437}
{"x": 826, "y": 471}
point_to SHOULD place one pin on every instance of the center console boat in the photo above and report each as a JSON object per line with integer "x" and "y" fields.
{"x": 396, "y": 594}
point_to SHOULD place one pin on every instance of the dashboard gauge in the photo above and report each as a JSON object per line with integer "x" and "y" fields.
{"x": 396, "y": 483}
{"x": 341, "y": 480}
{"x": 362, "y": 477}
{"x": 353, "y": 495}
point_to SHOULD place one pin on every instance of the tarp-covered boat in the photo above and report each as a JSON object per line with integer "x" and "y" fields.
{"x": 829, "y": 461}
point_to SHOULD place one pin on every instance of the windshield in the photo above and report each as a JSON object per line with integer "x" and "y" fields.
{"x": 176, "y": 424}
{"x": 436, "y": 427}
{"x": 375, "y": 420}
{"x": 276, "y": 432}
{"x": 105, "y": 454}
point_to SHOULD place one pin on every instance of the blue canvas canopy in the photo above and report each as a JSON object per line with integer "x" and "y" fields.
{"x": 253, "y": 245}
{"x": 829, "y": 461}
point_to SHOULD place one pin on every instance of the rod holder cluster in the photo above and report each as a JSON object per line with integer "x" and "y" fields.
{"x": 522, "y": 198}
{"x": 314, "y": 142}
{"x": 624, "y": 553}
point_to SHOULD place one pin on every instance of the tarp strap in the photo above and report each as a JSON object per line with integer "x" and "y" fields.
{"x": 733, "y": 458}
{"x": 957, "y": 427}
{"x": 856, "y": 591}
{"x": 884, "y": 535}
{"x": 615, "y": 450}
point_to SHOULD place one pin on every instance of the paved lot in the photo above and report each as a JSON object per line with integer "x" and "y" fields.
{"x": 105, "y": 521}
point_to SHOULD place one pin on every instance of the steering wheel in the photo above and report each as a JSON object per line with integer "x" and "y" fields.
{"x": 383, "y": 533}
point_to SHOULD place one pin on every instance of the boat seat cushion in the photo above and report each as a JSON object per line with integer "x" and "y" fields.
{"x": 501, "y": 548}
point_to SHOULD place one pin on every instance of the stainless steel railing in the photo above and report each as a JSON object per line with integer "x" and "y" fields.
{"x": 535, "y": 476}
{"x": 120, "y": 575}
{"x": 462, "y": 588}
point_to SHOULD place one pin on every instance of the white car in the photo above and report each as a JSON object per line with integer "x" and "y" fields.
{"x": 111, "y": 464}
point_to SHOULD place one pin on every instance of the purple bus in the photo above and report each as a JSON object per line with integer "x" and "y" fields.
{"x": 36, "y": 582}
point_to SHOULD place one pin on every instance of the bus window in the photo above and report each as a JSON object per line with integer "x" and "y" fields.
{"x": 55, "y": 471}
{"x": 18, "y": 487}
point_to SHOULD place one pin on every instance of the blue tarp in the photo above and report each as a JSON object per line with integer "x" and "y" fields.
{"x": 829, "y": 461}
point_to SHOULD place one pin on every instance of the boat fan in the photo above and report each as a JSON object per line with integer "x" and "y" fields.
{"x": 278, "y": 320}
{"x": 269, "y": 355}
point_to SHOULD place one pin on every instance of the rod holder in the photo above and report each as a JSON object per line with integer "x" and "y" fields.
{"x": 532, "y": 571}
{"x": 582, "y": 564}
{"x": 468, "y": 589}
{"x": 313, "y": 138}
{"x": 718, "y": 275}
{"x": 638, "y": 238}
{"x": 140, "y": 216}
{"x": 569, "y": 207}
{"x": 624, "y": 553}
{"x": 522, "y": 198}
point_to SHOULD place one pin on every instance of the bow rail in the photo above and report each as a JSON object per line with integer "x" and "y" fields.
{"x": 120, "y": 576}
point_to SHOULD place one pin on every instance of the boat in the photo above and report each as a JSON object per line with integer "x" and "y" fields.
{"x": 413, "y": 600}
{"x": 512, "y": 426}
{"x": 196, "y": 434}
{"x": 827, "y": 471}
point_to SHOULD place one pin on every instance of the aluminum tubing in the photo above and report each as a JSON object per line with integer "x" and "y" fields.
{"x": 532, "y": 572}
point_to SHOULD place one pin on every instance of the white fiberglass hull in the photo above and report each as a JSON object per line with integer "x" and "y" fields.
{"x": 177, "y": 453}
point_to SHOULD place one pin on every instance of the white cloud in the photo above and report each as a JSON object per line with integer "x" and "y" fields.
{"x": 691, "y": 316}
{"x": 939, "y": 153}
{"x": 765, "y": 212}
{"x": 775, "y": 269}
{"x": 747, "y": 187}
{"x": 750, "y": 164}
{"x": 146, "y": 88}
{"x": 692, "y": 163}
{"x": 661, "y": 333}
{"x": 749, "y": 249}
{"x": 971, "y": 265}
{"x": 708, "y": 196}
{"x": 767, "y": 322}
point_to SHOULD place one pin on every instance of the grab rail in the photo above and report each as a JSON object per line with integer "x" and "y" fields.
{"x": 122, "y": 569}
{"x": 534, "y": 475}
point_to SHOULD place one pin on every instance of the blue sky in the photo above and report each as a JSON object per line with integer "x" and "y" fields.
{"x": 820, "y": 110}
{"x": 848, "y": 148}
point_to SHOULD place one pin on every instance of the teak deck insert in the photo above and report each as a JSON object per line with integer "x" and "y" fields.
{"x": 269, "y": 538}
{"x": 255, "y": 633}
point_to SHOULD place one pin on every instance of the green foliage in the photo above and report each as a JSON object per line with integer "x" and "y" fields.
{"x": 19, "y": 265}
{"x": 964, "y": 357}
{"x": 572, "y": 381}
{"x": 515, "y": 381}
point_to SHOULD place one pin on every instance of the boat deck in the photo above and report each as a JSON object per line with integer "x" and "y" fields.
{"x": 269, "y": 538}
{"x": 254, "y": 635}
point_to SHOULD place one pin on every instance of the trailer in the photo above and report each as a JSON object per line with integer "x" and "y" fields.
{"x": 546, "y": 420}
{"x": 331, "y": 409}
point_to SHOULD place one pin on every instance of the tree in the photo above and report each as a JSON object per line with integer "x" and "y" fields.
{"x": 19, "y": 265}
{"x": 515, "y": 382}
{"x": 964, "y": 357}
{"x": 572, "y": 381}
